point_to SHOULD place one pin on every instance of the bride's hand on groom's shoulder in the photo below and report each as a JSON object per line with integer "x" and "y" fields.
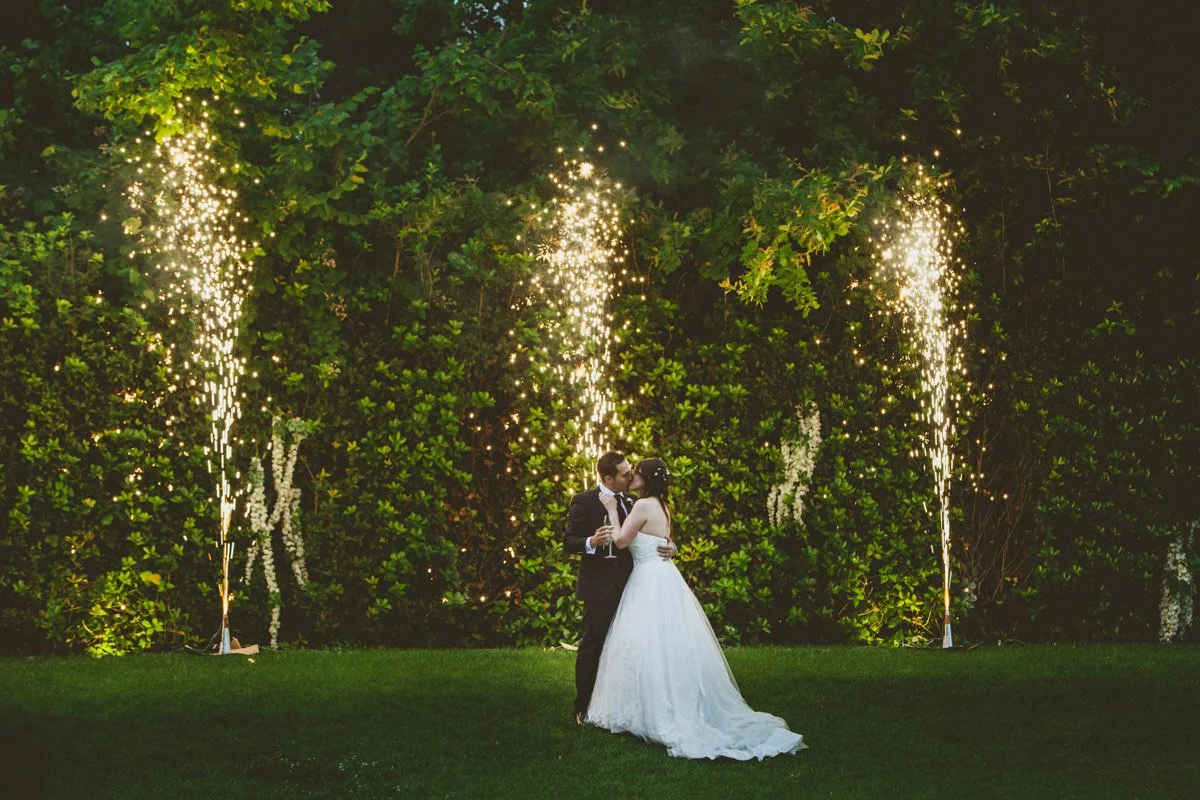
{"x": 668, "y": 550}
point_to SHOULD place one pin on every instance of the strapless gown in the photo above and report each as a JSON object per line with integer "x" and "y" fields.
{"x": 663, "y": 676}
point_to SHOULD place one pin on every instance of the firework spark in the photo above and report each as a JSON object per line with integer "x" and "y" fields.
{"x": 582, "y": 260}
{"x": 916, "y": 254}
{"x": 190, "y": 231}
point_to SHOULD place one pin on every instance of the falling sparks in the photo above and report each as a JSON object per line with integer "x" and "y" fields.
{"x": 190, "y": 230}
{"x": 581, "y": 263}
{"x": 915, "y": 254}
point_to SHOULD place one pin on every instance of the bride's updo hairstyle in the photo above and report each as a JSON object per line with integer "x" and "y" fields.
{"x": 656, "y": 480}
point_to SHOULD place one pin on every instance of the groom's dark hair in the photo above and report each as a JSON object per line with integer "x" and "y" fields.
{"x": 606, "y": 464}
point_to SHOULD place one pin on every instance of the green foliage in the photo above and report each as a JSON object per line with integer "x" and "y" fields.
{"x": 388, "y": 159}
{"x": 1116, "y": 448}
{"x": 239, "y": 50}
{"x": 88, "y": 481}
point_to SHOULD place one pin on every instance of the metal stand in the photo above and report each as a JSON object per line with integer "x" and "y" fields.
{"x": 226, "y": 556}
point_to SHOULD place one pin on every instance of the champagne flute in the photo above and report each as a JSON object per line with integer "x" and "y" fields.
{"x": 608, "y": 524}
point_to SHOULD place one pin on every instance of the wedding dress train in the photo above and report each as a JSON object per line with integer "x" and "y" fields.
{"x": 663, "y": 676}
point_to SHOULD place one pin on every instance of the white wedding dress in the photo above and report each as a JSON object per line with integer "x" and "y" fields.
{"x": 663, "y": 676}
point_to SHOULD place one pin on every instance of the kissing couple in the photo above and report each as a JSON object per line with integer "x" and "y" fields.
{"x": 649, "y": 663}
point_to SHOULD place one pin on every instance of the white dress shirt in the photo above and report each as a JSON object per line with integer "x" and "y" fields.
{"x": 587, "y": 543}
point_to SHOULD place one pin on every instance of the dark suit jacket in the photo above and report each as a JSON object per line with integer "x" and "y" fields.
{"x": 599, "y": 577}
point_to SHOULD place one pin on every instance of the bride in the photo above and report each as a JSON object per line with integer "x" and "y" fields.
{"x": 662, "y": 674}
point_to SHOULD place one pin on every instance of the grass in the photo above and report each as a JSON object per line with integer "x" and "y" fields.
{"x": 1005, "y": 722}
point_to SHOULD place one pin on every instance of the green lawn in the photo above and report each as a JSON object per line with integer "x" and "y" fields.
{"x": 1005, "y": 722}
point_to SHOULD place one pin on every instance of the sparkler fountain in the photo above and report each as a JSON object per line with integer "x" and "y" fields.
{"x": 916, "y": 254}
{"x": 192, "y": 235}
{"x": 582, "y": 265}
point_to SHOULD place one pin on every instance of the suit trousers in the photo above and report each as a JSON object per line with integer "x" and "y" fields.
{"x": 597, "y": 617}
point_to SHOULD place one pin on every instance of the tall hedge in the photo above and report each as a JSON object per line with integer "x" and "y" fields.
{"x": 388, "y": 156}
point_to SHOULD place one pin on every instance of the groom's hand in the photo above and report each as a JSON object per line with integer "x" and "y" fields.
{"x": 601, "y": 537}
{"x": 668, "y": 550}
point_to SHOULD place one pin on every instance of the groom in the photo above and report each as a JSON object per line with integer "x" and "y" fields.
{"x": 601, "y": 580}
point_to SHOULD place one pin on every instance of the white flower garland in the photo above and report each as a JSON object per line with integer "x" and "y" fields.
{"x": 786, "y": 501}
{"x": 1179, "y": 587}
{"x": 287, "y": 503}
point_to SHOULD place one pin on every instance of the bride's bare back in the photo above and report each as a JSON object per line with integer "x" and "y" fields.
{"x": 652, "y": 516}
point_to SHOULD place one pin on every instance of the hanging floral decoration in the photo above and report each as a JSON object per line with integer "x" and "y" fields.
{"x": 786, "y": 501}
{"x": 1179, "y": 586}
{"x": 285, "y": 446}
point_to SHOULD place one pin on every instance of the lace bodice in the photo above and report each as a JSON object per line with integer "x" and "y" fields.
{"x": 644, "y": 548}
